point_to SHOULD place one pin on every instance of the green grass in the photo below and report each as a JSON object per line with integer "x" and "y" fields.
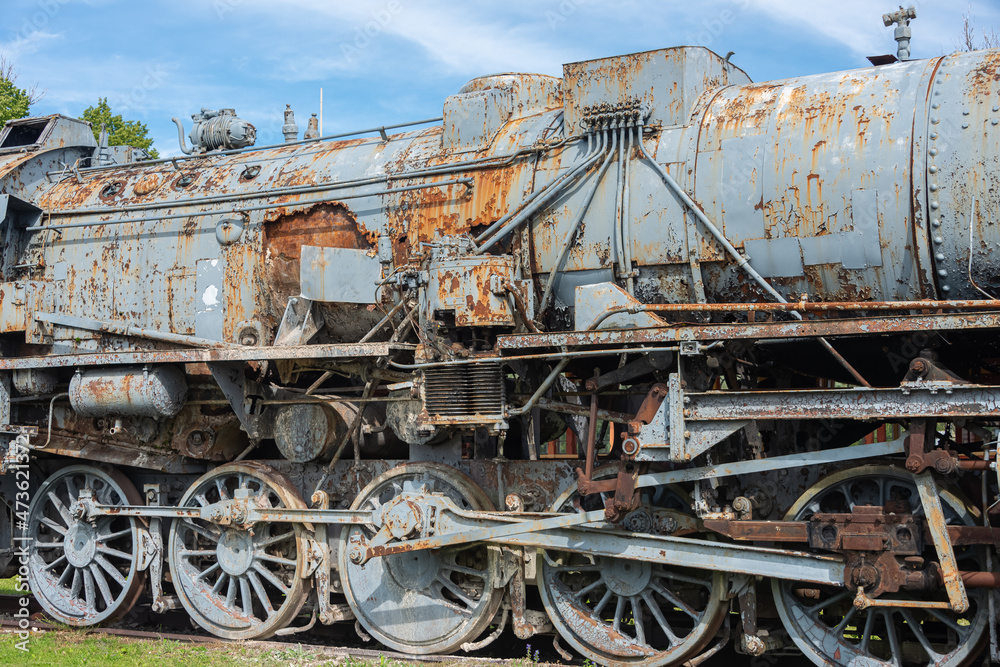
{"x": 86, "y": 649}
{"x": 9, "y": 586}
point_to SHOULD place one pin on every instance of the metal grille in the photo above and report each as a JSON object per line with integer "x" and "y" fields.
{"x": 464, "y": 394}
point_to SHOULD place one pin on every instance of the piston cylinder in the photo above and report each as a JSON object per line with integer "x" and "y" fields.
{"x": 156, "y": 392}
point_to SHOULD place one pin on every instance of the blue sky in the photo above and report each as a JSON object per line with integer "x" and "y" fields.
{"x": 392, "y": 61}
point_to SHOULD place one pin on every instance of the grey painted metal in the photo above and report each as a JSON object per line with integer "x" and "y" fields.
{"x": 343, "y": 275}
{"x": 753, "y": 331}
{"x": 157, "y": 392}
{"x": 839, "y": 455}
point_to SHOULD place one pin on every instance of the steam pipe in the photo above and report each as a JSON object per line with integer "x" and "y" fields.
{"x": 180, "y": 136}
{"x": 557, "y": 267}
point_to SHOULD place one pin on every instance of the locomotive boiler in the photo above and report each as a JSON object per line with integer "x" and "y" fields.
{"x": 649, "y": 358}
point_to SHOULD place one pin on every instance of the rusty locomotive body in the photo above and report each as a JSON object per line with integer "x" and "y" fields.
{"x": 650, "y": 358}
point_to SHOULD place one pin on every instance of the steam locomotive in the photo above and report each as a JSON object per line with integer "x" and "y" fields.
{"x": 649, "y": 358}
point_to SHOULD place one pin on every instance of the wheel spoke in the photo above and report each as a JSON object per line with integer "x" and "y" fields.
{"x": 63, "y": 512}
{"x": 619, "y": 610}
{"x": 461, "y": 569}
{"x": 915, "y": 628}
{"x": 88, "y": 589}
{"x": 274, "y": 539}
{"x": 106, "y": 564}
{"x": 839, "y": 631}
{"x": 586, "y": 589}
{"x": 890, "y": 630}
{"x": 196, "y": 553}
{"x": 54, "y": 526}
{"x": 54, "y": 563}
{"x": 102, "y": 584}
{"x": 114, "y": 552}
{"x": 115, "y": 535}
{"x": 231, "y": 593}
{"x": 261, "y": 594}
{"x": 270, "y": 577}
{"x": 247, "y": 599}
{"x": 640, "y": 631}
{"x": 867, "y": 634}
{"x": 274, "y": 559}
{"x": 599, "y": 607}
{"x": 660, "y": 618}
{"x": 839, "y": 597}
{"x": 204, "y": 573}
{"x": 456, "y": 591}
{"x": 676, "y": 601}
{"x": 48, "y": 545}
{"x": 74, "y": 590}
{"x": 204, "y": 532}
{"x": 65, "y": 576}
{"x": 223, "y": 578}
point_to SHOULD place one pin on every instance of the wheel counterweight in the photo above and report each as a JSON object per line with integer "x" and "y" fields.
{"x": 429, "y": 601}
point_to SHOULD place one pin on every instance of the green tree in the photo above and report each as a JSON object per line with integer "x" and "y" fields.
{"x": 14, "y": 101}
{"x": 121, "y": 132}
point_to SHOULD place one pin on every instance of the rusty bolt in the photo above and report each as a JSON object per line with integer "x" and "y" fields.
{"x": 687, "y": 412}
{"x": 514, "y": 502}
{"x": 913, "y": 463}
{"x": 217, "y": 514}
{"x": 687, "y": 435}
{"x": 918, "y": 365}
{"x": 356, "y": 556}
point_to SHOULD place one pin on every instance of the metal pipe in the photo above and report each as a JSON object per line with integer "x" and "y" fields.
{"x": 626, "y": 222}
{"x": 617, "y": 252}
{"x": 180, "y": 139}
{"x": 799, "y": 306}
{"x": 550, "y": 191}
{"x": 383, "y": 321}
{"x": 532, "y": 197}
{"x": 200, "y": 214}
{"x": 516, "y": 412}
{"x": 568, "y": 243}
{"x": 124, "y": 329}
{"x": 248, "y": 149}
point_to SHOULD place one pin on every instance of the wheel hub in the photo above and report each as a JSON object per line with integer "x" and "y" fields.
{"x": 626, "y": 578}
{"x": 80, "y": 544}
{"x": 235, "y": 552}
{"x": 414, "y": 571}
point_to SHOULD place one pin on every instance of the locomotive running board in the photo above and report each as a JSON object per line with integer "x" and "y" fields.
{"x": 818, "y": 328}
